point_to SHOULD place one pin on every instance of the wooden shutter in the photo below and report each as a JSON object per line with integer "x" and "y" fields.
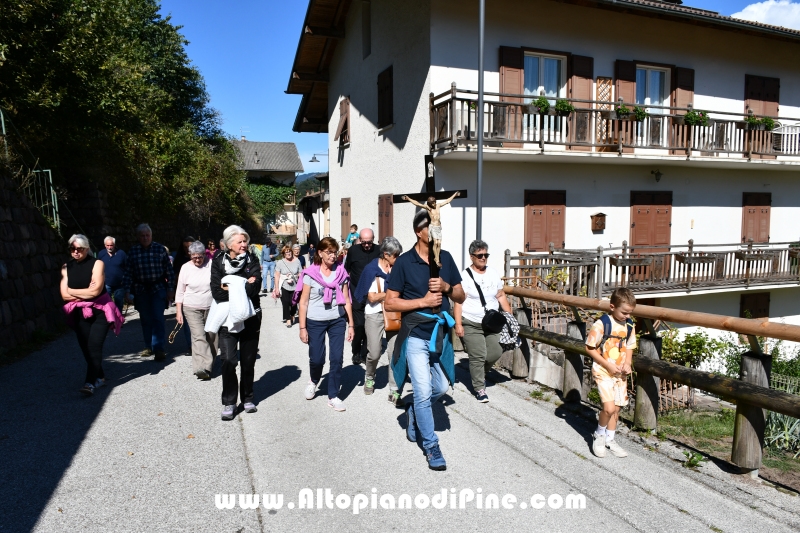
{"x": 651, "y": 219}
{"x": 625, "y": 75}
{"x": 581, "y": 87}
{"x": 761, "y": 96}
{"x": 512, "y": 81}
{"x": 545, "y": 214}
{"x": 344, "y": 207}
{"x": 683, "y": 91}
{"x": 343, "y": 130}
{"x": 557, "y": 205}
{"x": 756, "y": 211}
{"x": 754, "y": 305}
{"x": 385, "y": 98}
{"x": 385, "y": 216}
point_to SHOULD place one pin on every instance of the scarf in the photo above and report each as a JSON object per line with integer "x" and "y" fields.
{"x": 314, "y": 273}
{"x": 371, "y": 271}
{"x": 232, "y": 266}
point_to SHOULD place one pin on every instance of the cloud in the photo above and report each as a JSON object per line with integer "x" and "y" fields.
{"x": 776, "y": 12}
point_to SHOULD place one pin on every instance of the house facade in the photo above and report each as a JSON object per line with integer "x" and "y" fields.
{"x": 692, "y": 205}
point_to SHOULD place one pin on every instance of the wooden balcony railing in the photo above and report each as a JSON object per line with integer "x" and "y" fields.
{"x": 510, "y": 121}
{"x": 677, "y": 268}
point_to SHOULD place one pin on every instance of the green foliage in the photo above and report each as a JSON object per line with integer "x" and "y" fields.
{"x": 693, "y": 459}
{"x": 768, "y": 123}
{"x": 268, "y": 197}
{"x": 594, "y": 396}
{"x": 537, "y": 394}
{"x": 696, "y": 118}
{"x": 752, "y": 120}
{"x": 622, "y": 110}
{"x": 542, "y": 103}
{"x": 639, "y": 113}
{"x": 691, "y": 350}
{"x": 700, "y": 425}
{"x": 782, "y": 433}
{"x": 563, "y": 107}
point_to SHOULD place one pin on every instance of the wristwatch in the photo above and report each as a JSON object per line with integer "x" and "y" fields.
{"x": 449, "y": 290}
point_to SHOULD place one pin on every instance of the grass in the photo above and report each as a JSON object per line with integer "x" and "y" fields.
{"x": 700, "y": 426}
{"x": 38, "y": 339}
{"x": 781, "y": 461}
{"x": 594, "y": 396}
{"x": 537, "y": 394}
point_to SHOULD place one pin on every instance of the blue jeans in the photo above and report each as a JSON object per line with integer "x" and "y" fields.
{"x": 336, "y": 330}
{"x": 151, "y": 307}
{"x": 117, "y": 294}
{"x": 268, "y": 276}
{"x": 429, "y": 382}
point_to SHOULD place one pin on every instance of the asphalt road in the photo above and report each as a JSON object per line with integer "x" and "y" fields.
{"x": 150, "y": 453}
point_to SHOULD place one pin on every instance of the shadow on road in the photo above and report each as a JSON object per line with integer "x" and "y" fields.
{"x": 274, "y": 381}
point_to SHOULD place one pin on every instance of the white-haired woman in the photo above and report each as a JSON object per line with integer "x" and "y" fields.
{"x": 193, "y": 300}
{"x": 237, "y": 261}
{"x": 297, "y": 255}
{"x": 89, "y": 309}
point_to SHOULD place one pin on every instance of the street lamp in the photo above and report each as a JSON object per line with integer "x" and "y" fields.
{"x": 314, "y": 158}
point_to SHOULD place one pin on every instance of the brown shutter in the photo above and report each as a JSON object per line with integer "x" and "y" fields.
{"x": 761, "y": 96}
{"x": 512, "y": 81}
{"x": 385, "y": 216}
{"x": 683, "y": 93}
{"x": 343, "y": 129}
{"x": 545, "y": 214}
{"x": 756, "y": 211}
{"x": 754, "y": 305}
{"x": 651, "y": 219}
{"x": 625, "y": 75}
{"x": 344, "y": 207}
{"x": 385, "y": 98}
{"x": 581, "y": 87}
{"x": 557, "y": 207}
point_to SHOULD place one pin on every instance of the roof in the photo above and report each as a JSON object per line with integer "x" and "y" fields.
{"x": 269, "y": 157}
{"x": 324, "y": 24}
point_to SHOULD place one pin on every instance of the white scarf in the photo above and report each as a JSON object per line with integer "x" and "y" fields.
{"x": 232, "y": 266}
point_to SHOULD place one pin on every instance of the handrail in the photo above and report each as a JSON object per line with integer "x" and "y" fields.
{"x": 746, "y": 326}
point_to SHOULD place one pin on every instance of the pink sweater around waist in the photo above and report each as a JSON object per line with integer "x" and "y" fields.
{"x": 101, "y": 303}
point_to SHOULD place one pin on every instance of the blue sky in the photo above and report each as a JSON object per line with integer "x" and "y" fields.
{"x": 245, "y": 50}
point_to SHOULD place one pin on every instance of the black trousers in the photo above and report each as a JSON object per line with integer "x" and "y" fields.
{"x": 289, "y": 310}
{"x": 247, "y": 341}
{"x": 359, "y": 343}
{"x": 91, "y": 333}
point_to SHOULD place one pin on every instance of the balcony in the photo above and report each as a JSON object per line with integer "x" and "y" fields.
{"x": 649, "y": 271}
{"x": 594, "y": 130}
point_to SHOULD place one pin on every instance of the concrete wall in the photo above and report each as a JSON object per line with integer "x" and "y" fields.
{"x": 393, "y": 161}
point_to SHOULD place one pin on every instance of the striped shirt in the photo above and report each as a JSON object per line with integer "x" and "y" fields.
{"x": 148, "y": 269}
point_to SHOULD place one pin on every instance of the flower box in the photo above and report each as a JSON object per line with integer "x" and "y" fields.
{"x": 631, "y": 261}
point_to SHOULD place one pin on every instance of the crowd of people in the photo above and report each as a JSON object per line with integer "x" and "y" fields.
{"x": 373, "y": 296}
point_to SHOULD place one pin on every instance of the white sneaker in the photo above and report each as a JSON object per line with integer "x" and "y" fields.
{"x": 311, "y": 390}
{"x": 599, "y": 445}
{"x": 615, "y": 448}
{"x": 336, "y": 404}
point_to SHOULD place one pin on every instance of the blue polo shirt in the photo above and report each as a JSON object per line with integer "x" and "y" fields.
{"x": 410, "y": 276}
{"x": 115, "y": 266}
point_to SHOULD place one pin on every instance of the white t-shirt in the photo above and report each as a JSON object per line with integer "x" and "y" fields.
{"x": 374, "y": 309}
{"x": 490, "y": 284}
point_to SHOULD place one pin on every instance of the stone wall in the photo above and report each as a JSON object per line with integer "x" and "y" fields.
{"x": 31, "y": 255}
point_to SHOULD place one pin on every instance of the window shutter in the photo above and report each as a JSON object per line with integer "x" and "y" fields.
{"x": 545, "y": 213}
{"x": 385, "y": 98}
{"x": 512, "y": 81}
{"x": 683, "y": 94}
{"x": 343, "y": 130}
{"x": 344, "y": 208}
{"x": 756, "y": 212}
{"x": 385, "y": 216}
{"x": 754, "y": 305}
{"x": 625, "y": 74}
{"x": 581, "y": 87}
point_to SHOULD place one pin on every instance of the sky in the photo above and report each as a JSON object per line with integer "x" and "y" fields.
{"x": 245, "y": 50}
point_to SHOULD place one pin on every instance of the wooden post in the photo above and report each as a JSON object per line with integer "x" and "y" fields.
{"x": 572, "y": 389}
{"x": 520, "y": 364}
{"x": 600, "y": 272}
{"x": 645, "y": 414}
{"x": 748, "y": 429}
{"x": 507, "y": 265}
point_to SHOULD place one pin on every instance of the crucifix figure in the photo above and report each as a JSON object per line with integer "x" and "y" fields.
{"x": 435, "y": 227}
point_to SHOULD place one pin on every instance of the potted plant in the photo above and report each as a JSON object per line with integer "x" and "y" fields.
{"x": 622, "y": 111}
{"x": 540, "y": 105}
{"x": 768, "y": 123}
{"x": 639, "y": 114}
{"x": 564, "y": 108}
{"x": 752, "y": 122}
{"x": 696, "y": 118}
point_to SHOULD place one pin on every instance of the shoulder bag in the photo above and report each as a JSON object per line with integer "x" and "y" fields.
{"x": 493, "y": 321}
{"x": 391, "y": 319}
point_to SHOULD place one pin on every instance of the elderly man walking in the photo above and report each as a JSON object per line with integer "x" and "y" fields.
{"x": 358, "y": 257}
{"x": 114, "y": 261}
{"x": 149, "y": 277}
{"x": 269, "y": 253}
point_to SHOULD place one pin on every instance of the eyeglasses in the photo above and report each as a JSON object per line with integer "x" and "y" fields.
{"x": 329, "y": 252}
{"x": 73, "y": 249}
{"x": 480, "y": 256}
{"x": 370, "y": 243}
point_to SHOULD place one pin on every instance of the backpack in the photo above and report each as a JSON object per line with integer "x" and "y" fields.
{"x": 606, "y": 320}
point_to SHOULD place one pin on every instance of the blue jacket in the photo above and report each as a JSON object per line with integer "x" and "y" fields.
{"x": 440, "y": 340}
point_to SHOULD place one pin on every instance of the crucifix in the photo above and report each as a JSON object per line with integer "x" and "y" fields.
{"x": 427, "y": 200}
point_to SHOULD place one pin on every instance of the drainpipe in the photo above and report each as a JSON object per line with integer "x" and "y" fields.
{"x": 479, "y": 196}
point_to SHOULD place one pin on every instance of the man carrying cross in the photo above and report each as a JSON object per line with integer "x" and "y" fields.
{"x": 435, "y": 226}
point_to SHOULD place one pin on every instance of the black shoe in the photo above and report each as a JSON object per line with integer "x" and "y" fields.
{"x": 160, "y": 355}
{"x": 203, "y": 375}
{"x": 357, "y": 360}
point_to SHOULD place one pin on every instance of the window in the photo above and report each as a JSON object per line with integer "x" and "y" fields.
{"x": 366, "y": 28}
{"x": 545, "y": 213}
{"x": 385, "y": 98}
{"x": 545, "y": 74}
{"x": 343, "y": 130}
{"x": 651, "y": 88}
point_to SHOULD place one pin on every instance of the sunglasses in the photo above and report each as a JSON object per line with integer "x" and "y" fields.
{"x": 368, "y": 242}
{"x": 73, "y": 249}
{"x": 480, "y": 256}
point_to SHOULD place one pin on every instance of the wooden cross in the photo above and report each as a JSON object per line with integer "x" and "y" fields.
{"x": 422, "y": 197}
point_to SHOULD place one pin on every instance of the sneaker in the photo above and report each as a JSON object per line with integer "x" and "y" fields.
{"x": 250, "y": 407}
{"x": 336, "y": 404}
{"x": 228, "y": 412}
{"x": 87, "y": 389}
{"x": 435, "y": 458}
{"x": 101, "y": 382}
{"x": 160, "y": 355}
{"x": 369, "y": 386}
{"x": 311, "y": 390}
{"x": 356, "y": 360}
{"x": 481, "y": 396}
{"x": 411, "y": 424}
{"x": 394, "y": 398}
{"x": 147, "y": 352}
{"x": 599, "y": 445}
{"x": 203, "y": 375}
{"x": 615, "y": 448}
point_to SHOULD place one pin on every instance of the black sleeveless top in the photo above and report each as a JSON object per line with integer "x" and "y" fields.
{"x": 79, "y": 274}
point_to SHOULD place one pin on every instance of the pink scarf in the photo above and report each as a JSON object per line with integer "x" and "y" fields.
{"x": 87, "y": 307}
{"x": 314, "y": 273}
